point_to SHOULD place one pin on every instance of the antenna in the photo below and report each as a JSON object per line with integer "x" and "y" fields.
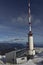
{"x": 29, "y": 15}
{"x": 30, "y": 45}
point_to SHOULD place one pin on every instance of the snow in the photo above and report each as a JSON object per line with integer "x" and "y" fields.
{"x": 2, "y": 56}
{"x": 30, "y": 62}
{"x": 37, "y": 60}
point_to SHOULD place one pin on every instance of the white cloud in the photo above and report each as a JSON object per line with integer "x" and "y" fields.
{"x": 23, "y": 21}
{"x": 35, "y": 21}
{"x": 4, "y": 28}
{"x": 11, "y": 39}
{"x": 20, "y": 19}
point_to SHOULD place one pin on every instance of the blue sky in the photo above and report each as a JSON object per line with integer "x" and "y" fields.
{"x": 14, "y": 20}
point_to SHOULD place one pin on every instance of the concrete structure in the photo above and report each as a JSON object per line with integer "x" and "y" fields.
{"x": 31, "y": 50}
{"x": 21, "y": 60}
{"x": 16, "y": 56}
{"x": 11, "y": 57}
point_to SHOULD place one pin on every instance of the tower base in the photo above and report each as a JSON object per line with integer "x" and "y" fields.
{"x": 30, "y": 54}
{"x": 30, "y": 57}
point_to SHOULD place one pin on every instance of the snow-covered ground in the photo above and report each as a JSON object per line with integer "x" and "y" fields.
{"x": 30, "y": 62}
{"x": 37, "y": 60}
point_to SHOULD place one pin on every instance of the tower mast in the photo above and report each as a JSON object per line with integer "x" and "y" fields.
{"x": 31, "y": 50}
{"x": 29, "y": 15}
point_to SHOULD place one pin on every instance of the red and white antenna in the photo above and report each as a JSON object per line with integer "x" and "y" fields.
{"x": 30, "y": 45}
{"x": 29, "y": 14}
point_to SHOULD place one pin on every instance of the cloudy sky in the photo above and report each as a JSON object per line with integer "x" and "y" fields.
{"x": 14, "y": 20}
